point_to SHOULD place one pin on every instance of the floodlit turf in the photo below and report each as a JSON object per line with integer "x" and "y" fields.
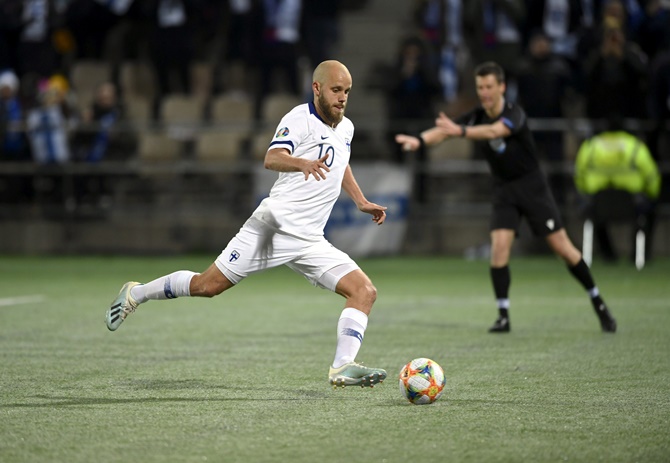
{"x": 243, "y": 377}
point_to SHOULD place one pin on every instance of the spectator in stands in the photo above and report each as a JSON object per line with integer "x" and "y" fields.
{"x": 14, "y": 188}
{"x": 560, "y": 22}
{"x": 616, "y": 75}
{"x": 544, "y": 79}
{"x": 279, "y": 50}
{"x": 99, "y": 135}
{"x": 616, "y": 159}
{"x": 320, "y": 27}
{"x": 627, "y": 13}
{"x": 10, "y": 28}
{"x": 35, "y": 51}
{"x": 494, "y": 32}
{"x": 48, "y": 126}
{"x": 67, "y": 98}
{"x": 90, "y": 23}
{"x": 441, "y": 24}
{"x": 171, "y": 45}
{"x": 659, "y": 107}
{"x": 653, "y": 34}
{"x": 239, "y": 37}
{"x": 412, "y": 88}
{"x": 240, "y": 41}
{"x": 12, "y": 138}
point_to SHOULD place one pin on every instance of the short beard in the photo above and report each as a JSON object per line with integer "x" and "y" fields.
{"x": 332, "y": 118}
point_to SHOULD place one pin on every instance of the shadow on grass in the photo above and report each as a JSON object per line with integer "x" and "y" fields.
{"x": 273, "y": 395}
{"x": 69, "y": 401}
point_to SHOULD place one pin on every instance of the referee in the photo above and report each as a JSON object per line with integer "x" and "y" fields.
{"x": 500, "y": 130}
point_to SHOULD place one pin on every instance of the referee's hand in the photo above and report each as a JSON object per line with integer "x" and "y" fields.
{"x": 408, "y": 142}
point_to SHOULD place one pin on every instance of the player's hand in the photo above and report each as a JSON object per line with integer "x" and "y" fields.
{"x": 317, "y": 168}
{"x": 448, "y": 126}
{"x": 408, "y": 142}
{"x": 378, "y": 212}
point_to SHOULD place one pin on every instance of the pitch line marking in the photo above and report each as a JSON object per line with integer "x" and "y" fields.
{"x": 10, "y": 301}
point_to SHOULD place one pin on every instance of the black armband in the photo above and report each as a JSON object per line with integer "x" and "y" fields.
{"x": 422, "y": 142}
{"x": 462, "y": 130}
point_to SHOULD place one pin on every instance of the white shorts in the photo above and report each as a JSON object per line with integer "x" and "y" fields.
{"x": 258, "y": 247}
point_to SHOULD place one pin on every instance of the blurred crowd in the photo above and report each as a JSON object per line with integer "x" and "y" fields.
{"x": 43, "y": 41}
{"x": 563, "y": 58}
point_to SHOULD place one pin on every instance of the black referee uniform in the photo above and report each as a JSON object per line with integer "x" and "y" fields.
{"x": 520, "y": 187}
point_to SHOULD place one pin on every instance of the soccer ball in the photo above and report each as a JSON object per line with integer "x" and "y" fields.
{"x": 422, "y": 381}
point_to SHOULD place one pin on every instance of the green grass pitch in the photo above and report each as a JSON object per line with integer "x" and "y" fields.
{"x": 243, "y": 377}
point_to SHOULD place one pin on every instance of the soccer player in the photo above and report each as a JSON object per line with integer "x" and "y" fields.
{"x": 501, "y": 133}
{"x": 311, "y": 151}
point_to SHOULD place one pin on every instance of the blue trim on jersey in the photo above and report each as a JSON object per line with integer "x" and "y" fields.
{"x": 312, "y": 110}
{"x": 283, "y": 142}
{"x": 507, "y": 122}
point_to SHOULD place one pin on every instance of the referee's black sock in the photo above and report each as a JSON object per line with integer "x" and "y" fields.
{"x": 582, "y": 273}
{"x": 501, "y": 279}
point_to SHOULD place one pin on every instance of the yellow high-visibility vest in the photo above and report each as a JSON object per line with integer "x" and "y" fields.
{"x": 616, "y": 160}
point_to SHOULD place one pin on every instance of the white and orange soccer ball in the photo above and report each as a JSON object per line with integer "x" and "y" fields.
{"x": 422, "y": 381}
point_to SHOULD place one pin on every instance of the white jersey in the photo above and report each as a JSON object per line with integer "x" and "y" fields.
{"x": 297, "y": 206}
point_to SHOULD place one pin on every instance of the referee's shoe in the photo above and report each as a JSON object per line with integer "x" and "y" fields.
{"x": 501, "y": 325}
{"x": 607, "y": 322}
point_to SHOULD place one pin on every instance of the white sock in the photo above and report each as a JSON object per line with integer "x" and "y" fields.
{"x": 166, "y": 287}
{"x": 503, "y": 303}
{"x": 350, "y": 332}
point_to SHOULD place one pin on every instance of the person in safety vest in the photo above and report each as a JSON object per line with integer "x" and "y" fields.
{"x": 618, "y": 160}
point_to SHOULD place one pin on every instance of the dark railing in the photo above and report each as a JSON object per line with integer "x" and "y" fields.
{"x": 78, "y": 192}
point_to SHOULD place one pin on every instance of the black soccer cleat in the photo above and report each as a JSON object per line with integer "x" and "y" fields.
{"x": 607, "y": 322}
{"x": 501, "y": 325}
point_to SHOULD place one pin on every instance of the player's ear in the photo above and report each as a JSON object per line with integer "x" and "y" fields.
{"x": 316, "y": 87}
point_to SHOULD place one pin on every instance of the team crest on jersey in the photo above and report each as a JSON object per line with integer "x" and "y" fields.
{"x": 498, "y": 145}
{"x": 281, "y": 133}
{"x": 234, "y": 256}
{"x": 348, "y": 142}
{"x": 550, "y": 224}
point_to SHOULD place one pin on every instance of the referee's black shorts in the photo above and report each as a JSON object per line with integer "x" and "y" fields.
{"x": 529, "y": 197}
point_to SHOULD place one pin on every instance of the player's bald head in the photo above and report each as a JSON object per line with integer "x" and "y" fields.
{"x": 331, "y": 86}
{"x": 329, "y": 71}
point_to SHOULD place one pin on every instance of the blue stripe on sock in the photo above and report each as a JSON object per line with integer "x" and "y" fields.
{"x": 352, "y": 332}
{"x": 167, "y": 288}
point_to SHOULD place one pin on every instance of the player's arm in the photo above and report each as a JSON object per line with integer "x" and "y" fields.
{"x": 280, "y": 160}
{"x": 430, "y": 137}
{"x": 350, "y": 186}
{"x": 473, "y": 132}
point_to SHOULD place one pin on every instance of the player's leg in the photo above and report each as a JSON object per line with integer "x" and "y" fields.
{"x": 329, "y": 268}
{"x": 360, "y": 295}
{"x": 209, "y": 283}
{"x": 239, "y": 259}
{"x": 560, "y": 243}
{"x": 501, "y": 248}
{"x": 177, "y": 284}
{"x": 504, "y": 226}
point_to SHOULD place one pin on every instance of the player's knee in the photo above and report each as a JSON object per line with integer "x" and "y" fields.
{"x": 368, "y": 293}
